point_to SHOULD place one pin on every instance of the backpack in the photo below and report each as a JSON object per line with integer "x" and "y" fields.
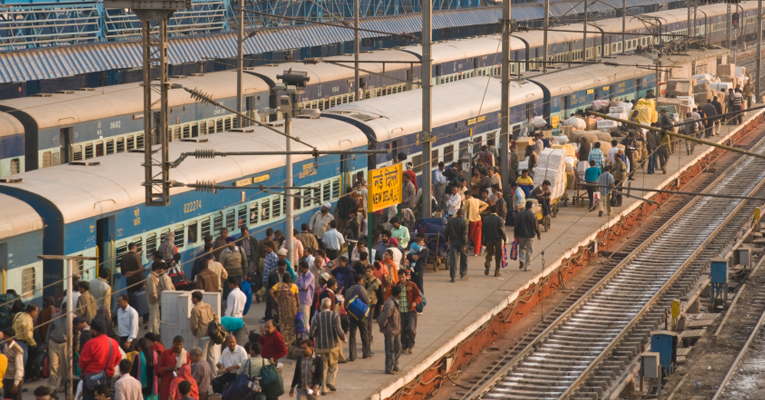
{"x": 419, "y": 307}
{"x": 356, "y": 307}
{"x": 270, "y": 381}
{"x": 6, "y": 316}
{"x": 179, "y": 279}
{"x": 216, "y": 331}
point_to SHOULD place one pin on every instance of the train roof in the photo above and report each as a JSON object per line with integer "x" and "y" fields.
{"x": 401, "y": 114}
{"x": 9, "y": 125}
{"x": 70, "y": 107}
{"x": 17, "y": 217}
{"x": 81, "y": 192}
{"x": 589, "y": 76}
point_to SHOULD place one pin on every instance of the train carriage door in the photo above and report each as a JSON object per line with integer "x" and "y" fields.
{"x": 105, "y": 244}
{"x": 65, "y": 144}
{"x": 346, "y": 168}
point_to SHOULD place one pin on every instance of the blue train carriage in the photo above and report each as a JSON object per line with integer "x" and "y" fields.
{"x": 569, "y": 90}
{"x": 11, "y": 145}
{"x": 465, "y": 113}
{"x": 96, "y": 210}
{"x": 82, "y": 124}
{"x": 21, "y": 241}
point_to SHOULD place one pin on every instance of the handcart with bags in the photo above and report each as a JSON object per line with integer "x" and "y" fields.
{"x": 434, "y": 230}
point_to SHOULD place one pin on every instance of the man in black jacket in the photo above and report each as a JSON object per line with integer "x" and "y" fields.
{"x": 357, "y": 290}
{"x": 307, "y": 384}
{"x": 493, "y": 232}
{"x": 719, "y": 110}
{"x": 457, "y": 237}
{"x": 345, "y": 205}
{"x": 711, "y": 111}
{"x": 526, "y": 227}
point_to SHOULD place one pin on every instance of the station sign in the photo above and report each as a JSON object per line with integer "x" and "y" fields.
{"x": 385, "y": 187}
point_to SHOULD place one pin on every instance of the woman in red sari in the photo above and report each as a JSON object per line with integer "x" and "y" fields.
{"x": 170, "y": 361}
{"x": 184, "y": 374}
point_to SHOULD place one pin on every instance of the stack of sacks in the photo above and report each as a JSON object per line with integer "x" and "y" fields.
{"x": 605, "y": 146}
{"x": 538, "y": 122}
{"x": 721, "y": 86}
{"x": 705, "y": 78}
{"x": 562, "y": 139}
{"x": 552, "y": 167}
{"x": 599, "y": 104}
{"x": 577, "y": 123}
{"x": 591, "y": 136}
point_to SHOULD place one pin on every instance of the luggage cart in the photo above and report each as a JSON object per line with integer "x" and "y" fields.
{"x": 434, "y": 230}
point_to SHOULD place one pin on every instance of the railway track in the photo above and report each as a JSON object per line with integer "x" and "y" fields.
{"x": 583, "y": 353}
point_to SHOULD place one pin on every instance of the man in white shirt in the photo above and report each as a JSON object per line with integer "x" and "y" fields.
{"x": 455, "y": 202}
{"x": 439, "y": 184}
{"x": 333, "y": 240}
{"x": 127, "y": 387}
{"x": 612, "y": 152}
{"x": 235, "y": 301}
{"x": 127, "y": 322}
{"x": 230, "y": 361}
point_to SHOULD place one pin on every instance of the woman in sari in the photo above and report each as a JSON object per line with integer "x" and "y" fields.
{"x": 286, "y": 295}
{"x": 184, "y": 374}
{"x": 171, "y": 361}
{"x": 144, "y": 359}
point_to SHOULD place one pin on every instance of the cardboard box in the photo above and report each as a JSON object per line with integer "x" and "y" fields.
{"x": 592, "y": 124}
{"x": 547, "y": 134}
{"x": 726, "y": 69}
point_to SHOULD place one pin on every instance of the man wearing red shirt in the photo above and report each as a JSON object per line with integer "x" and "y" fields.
{"x": 412, "y": 176}
{"x": 272, "y": 342}
{"x": 96, "y": 356}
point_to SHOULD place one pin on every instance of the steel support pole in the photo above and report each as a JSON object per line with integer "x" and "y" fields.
{"x": 164, "y": 197}
{"x": 239, "y": 62}
{"x": 148, "y": 137}
{"x": 728, "y": 25}
{"x": 624, "y": 25}
{"x": 759, "y": 49}
{"x": 356, "y": 50}
{"x": 290, "y": 224}
{"x": 69, "y": 317}
{"x": 688, "y": 18}
{"x": 584, "y": 33}
{"x": 547, "y": 27}
{"x": 504, "y": 124}
{"x": 427, "y": 104}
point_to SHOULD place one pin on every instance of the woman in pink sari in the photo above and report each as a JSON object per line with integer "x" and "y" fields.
{"x": 184, "y": 374}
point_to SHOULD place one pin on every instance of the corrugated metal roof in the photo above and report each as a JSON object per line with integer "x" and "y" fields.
{"x": 62, "y": 61}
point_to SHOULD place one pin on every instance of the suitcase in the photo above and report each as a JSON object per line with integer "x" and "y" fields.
{"x": 141, "y": 305}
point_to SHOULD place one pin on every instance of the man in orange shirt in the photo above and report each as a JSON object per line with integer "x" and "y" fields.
{"x": 473, "y": 209}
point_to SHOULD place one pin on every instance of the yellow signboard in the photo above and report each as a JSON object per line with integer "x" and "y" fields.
{"x": 385, "y": 186}
{"x": 590, "y": 91}
{"x": 555, "y": 120}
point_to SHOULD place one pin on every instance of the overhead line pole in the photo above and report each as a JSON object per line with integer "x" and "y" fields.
{"x": 759, "y": 48}
{"x": 584, "y": 37}
{"x": 547, "y": 28}
{"x": 427, "y": 104}
{"x": 239, "y": 62}
{"x": 356, "y": 50}
{"x": 504, "y": 123}
{"x": 624, "y": 26}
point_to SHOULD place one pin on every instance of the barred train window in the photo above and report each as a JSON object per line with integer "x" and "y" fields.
{"x": 28, "y": 281}
{"x": 254, "y": 213}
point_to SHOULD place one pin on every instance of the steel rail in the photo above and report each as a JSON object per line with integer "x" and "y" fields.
{"x": 578, "y": 306}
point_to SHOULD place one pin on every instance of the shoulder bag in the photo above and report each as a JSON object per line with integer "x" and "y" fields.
{"x": 242, "y": 386}
{"x": 92, "y": 381}
{"x": 270, "y": 380}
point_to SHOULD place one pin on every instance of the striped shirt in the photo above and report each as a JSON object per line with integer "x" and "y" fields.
{"x": 605, "y": 179}
{"x": 269, "y": 266}
{"x": 597, "y": 156}
{"x": 326, "y": 329}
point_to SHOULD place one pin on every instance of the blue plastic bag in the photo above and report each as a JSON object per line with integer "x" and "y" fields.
{"x": 247, "y": 290}
{"x": 232, "y": 324}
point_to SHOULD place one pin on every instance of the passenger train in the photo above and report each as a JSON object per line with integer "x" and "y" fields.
{"x": 49, "y": 129}
{"x": 96, "y": 209}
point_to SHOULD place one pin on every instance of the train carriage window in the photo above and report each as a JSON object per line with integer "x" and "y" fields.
{"x": 203, "y": 128}
{"x": 284, "y": 204}
{"x": 110, "y": 146}
{"x": 80, "y": 269}
{"x": 191, "y": 234}
{"x": 241, "y": 219}
{"x": 180, "y": 237}
{"x": 139, "y": 141}
{"x": 138, "y": 244}
{"x": 120, "y": 145}
{"x": 231, "y": 220}
{"x": 308, "y": 193}
{"x": 89, "y": 151}
{"x": 491, "y": 138}
{"x": 130, "y": 142}
{"x": 227, "y": 122}
{"x": 464, "y": 148}
{"x": 434, "y": 158}
{"x": 28, "y": 281}
{"x": 77, "y": 153}
{"x": 217, "y": 223}
{"x": 219, "y": 125}
{"x": 277, "y": 207}
{"x": 325, "y": 193}
{"x": 317, "y": 195}
{"x": 296, "y": 203}
{"x": 186, "y": 131}
{"x": 120, "y": 249}
{"x": 151, "y": 244}
{"x": 336, "y": 188}
{"x": 47, "y": 159}
{"x": 99, "y": 149}
{"x": 206, "y": 228}
{"x": 417, "y": 163}
{"x": 517, "y": 131}
{"x": 394, "y": 149}
{"x": 253, "y": 213}
{"x": 449, "y": 153}
{"x": 265, "y": 210}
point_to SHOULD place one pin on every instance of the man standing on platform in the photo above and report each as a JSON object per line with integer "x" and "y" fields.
{"x": 202, "y": 315}
{"x": 127, "y": 322}
{"x": 133, "y": 271}
{"x": 306, "y": 287}
{"x": 494, "y": 234}
{"x": 101, "y": 290}
{"x": 526, "y": 227}
{"x": 58, "y": 350}
{"x": 457, "y": 239}
{"x": 333, "y": 240}
{"x": 250, "y": 246}
{"x": 357, "y": 290}
{"x": 328, "y": 333}
{"x": 200, "y": 371}
{"x": 473, "y": 209}
{"x": 408, "y": 300}
{"x": 319, "y": 223}
{"x": 439, "y": 185}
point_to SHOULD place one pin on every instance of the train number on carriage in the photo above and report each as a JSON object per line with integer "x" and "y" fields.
{"x": 193, "y": 206}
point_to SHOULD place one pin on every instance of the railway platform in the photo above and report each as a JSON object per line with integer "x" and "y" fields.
{"x": 456, "y": 313}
